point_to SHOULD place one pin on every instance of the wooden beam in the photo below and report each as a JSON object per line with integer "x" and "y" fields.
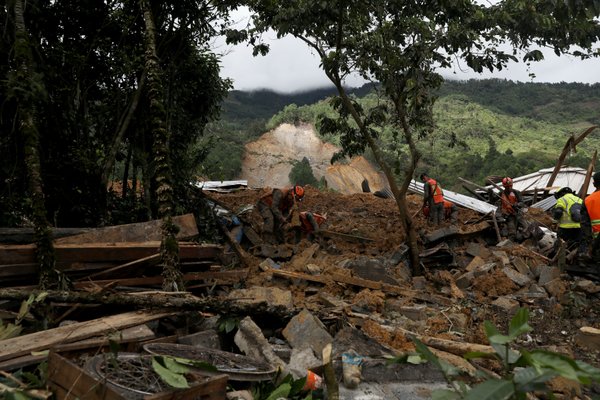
{"x": 220, "y": 276}
{"x": 43, "y": 340}
{"x": 130, "y": 335}
{"x": 571, "y": 144}
{"x": 588, "y": 176}
{"x": 104, "y": 252}
{"x": 137, "y": 232}
{"x": 153, "y": 259}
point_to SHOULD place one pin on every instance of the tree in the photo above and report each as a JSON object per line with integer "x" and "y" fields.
{"x": 302, "y": 173}
{"x": 169, "y": 247}
{"x": 26, "y": 86}
{"x": 93, "y": 120}
{"x": 401, "y": 45}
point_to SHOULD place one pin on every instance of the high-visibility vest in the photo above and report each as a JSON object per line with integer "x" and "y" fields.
{"x": 306, "y": 225}
{"x": 508, "y": 201}
{"x": 448, "y": 208}
{"x": 592, "y": 204}
{"x": 436, "y": 191}
{"x": 565, "y": 202}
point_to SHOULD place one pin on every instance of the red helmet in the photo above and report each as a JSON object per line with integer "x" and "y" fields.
{"x": 298, "y": 192}
{"x": 507, "y": 182}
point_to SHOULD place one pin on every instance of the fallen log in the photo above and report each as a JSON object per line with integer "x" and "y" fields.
{"x": 155, "y": 299}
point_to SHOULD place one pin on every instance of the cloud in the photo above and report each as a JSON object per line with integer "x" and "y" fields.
{"x": 290, "y": 66}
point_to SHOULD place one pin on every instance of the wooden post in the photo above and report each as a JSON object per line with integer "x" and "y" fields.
{"x": 496, "y": 227}
{"x": 571, "y": 144}
{"x": 588, "y": 176}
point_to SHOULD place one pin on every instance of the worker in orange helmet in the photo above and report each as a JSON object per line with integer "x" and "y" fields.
{"x": 278, "y": 209}
{"x": 509, "y": 211}
{"x": 450, "y": 211}
{"x": 590, "y": 222}
{"x": 433, "y": 197}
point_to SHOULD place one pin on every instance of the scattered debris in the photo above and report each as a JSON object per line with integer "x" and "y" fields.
{"x": 334, "y": 310}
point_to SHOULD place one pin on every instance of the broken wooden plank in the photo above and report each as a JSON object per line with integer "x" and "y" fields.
{"x": 220, "y": 276}
{"x": 43, "y": 340}
{"x": 347, "y": 236}
{"x": 299, "y": 275}
{"x": 69, "y": 381}
{"x": 152, "y": 260}
{"x": 105, "y": 252}
{"x": 136, "y": 232}
{"x": 134, "y": 334}
{"x": 350, "y": 280}
{"x": 27, "y": 235}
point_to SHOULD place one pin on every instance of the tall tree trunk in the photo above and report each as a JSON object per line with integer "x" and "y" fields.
{"x": 28, "y": 90}
{"x": 124, "y": 122}
{"x": 126, "y": 172}
{"x": 169, "y": 250}
{"x": 398, "y": 192}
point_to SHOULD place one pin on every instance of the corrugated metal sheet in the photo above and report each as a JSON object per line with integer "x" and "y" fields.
{"x": 222, "y": 186}
{"x": 545, "y": 204}
{"x": 567, "y": 176}
{"x": 457, "y": 198}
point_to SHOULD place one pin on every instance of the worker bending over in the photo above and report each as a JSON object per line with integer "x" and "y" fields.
{"x": 276, "y": 210}
{"x": 433, "y": 197}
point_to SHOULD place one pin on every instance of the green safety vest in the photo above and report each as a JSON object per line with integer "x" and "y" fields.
{"x": 565, "y": 203}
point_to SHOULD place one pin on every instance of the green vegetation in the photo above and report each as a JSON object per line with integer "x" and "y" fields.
{"x": 302, "y": 174}
{"x": 523, "y": 371}
{"x": 472, "y": 140}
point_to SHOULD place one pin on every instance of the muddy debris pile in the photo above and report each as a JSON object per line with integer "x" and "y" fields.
{"x": 331, "y": 311}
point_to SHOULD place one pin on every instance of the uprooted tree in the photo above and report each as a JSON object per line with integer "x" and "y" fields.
{"x": 402, "y": 45}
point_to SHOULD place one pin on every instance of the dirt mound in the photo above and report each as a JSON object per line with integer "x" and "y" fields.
{"x": 358, "y": 214}
{"x": 269, "y": 160}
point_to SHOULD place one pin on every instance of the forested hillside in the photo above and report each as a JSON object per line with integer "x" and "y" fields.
{"x": 482, "y": 127}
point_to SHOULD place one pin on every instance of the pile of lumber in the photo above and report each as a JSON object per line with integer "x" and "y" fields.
{"x": 123, "y": 255}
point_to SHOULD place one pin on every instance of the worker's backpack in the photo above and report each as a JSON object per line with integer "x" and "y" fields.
{"x": 575, "y": 211}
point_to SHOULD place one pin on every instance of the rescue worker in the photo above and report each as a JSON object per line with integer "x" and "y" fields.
{"x": 567, "y": 213}
{"x": 433, "y": 197}
{"x": 450, "y": 211}
{"x": 276, "y": 208}
{"x": 590, "y": 221}
{"x": 310, "y": 224}
{"x": 508, "y": 212}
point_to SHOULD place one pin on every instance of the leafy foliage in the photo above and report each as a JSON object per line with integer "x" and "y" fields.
{"x": 302, "y": 173}
{"x": 523, "y": 371}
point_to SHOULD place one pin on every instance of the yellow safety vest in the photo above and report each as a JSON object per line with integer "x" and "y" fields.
{"x": 565, "y": 202}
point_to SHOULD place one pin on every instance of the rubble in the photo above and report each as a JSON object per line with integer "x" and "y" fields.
{"x": 282, "y": 305}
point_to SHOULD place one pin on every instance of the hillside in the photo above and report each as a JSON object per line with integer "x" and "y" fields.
{"x": 269, "y": 159}
{"x": 485, "y": 127}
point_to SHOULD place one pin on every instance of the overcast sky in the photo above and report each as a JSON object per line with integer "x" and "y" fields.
{"x": 290, "y": 66}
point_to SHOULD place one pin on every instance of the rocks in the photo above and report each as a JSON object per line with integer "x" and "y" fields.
{"x": 546, "y": 274}
{"x": 305, "y": 330}
{"x": 258, "y": 294}
{"x": 251, "y": 341}
{"x": 556, "y": 288}
{"x": 588, "y": 338}
{"x": 506, "y": 304}
{"x": 516, "y": 277}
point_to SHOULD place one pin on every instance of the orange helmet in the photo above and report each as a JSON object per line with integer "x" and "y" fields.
{"x": 298, "y": 192}
{"x": 507, "y": 182}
